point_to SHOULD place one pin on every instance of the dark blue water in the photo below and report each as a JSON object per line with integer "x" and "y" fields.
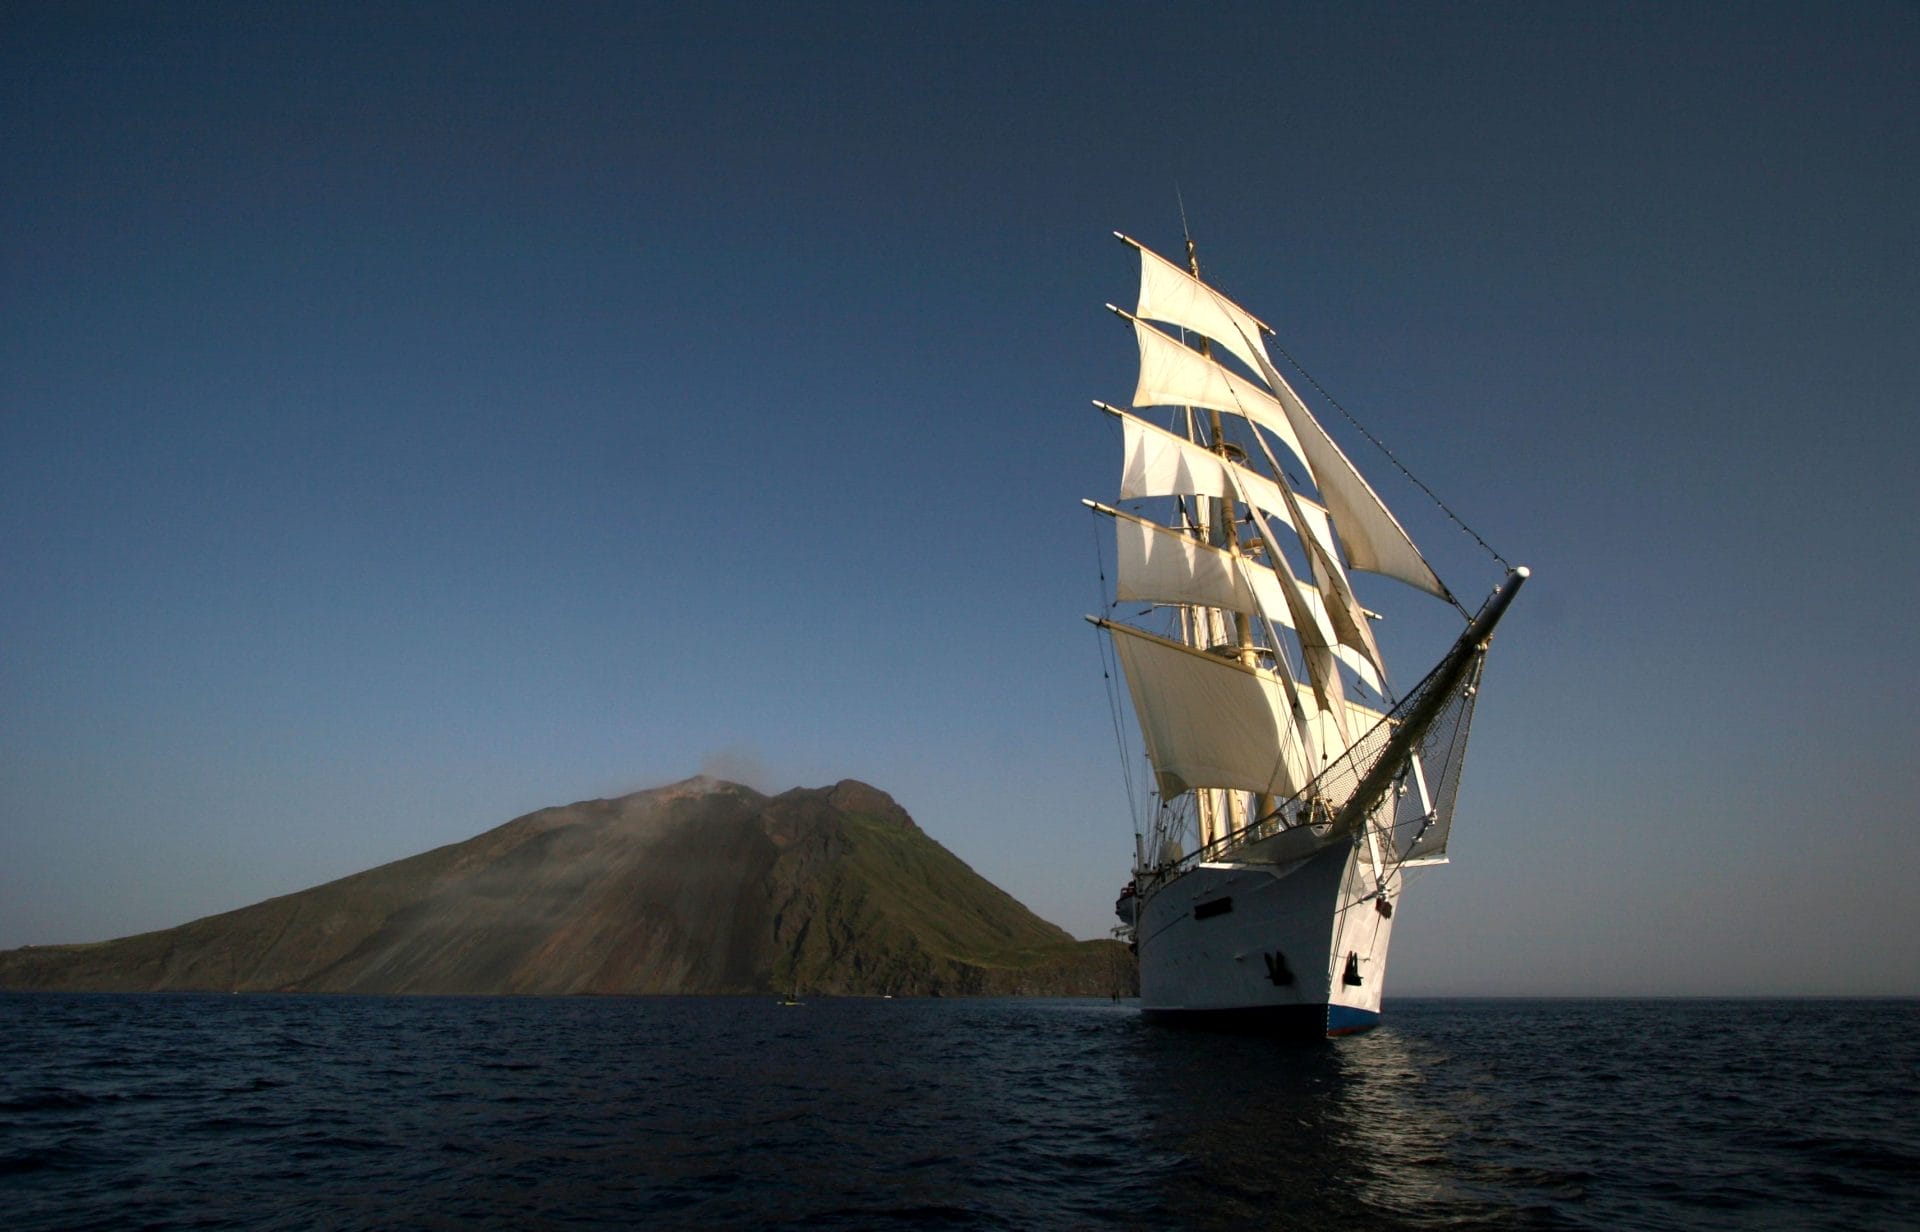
{"x": 317, "y": 1112}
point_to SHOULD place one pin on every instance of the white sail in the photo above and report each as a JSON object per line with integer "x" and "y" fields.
{"x": 1162, "y": 463}
{"x": 1157, "y": 564}
{"x": 1374, "y": 539}
{"x": 1368, "y": 739}
{"x": 1430, "y": 842}
{"x": 1306, "y": 804}
{"x": 1342, "y": 607}
{"x": 1169, "y": 293}
{"x": 1175, "y": 375}
{"x": 1210, "y": 721}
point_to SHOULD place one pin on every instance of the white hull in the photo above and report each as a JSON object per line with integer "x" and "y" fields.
{"x": 1300, "y": 947}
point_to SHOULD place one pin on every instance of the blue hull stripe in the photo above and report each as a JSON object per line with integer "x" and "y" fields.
{"x": 1281, "y": 1021}
{"x": 1345, "y": 1020}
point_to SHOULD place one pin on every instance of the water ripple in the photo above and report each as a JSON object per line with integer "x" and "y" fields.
{"x": 314, "y": 1112}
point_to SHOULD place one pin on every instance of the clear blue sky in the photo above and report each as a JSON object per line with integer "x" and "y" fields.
{"x": 418, "y": 415}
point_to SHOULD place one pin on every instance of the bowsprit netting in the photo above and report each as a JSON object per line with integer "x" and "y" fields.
{"x": 1416, "y": 807}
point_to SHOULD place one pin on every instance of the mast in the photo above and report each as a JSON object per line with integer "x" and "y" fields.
{"x": 1222, "y": 533}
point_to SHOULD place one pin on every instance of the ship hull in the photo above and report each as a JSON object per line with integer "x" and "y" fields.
{"x": 1306, "y": 1022}
{"x": 1296, "y": 949}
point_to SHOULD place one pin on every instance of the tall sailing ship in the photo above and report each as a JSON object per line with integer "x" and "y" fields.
{"x": 1292, "y": 789}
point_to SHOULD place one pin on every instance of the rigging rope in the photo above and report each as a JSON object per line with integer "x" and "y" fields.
{"x": 1401, "y": 466}
{"x": 1107, "y": 671}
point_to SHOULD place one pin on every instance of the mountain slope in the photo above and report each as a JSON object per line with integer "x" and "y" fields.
{"x": 700, "y": 887}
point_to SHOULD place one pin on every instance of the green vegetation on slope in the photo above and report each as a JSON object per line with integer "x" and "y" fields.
{"x": 699, "y": 887}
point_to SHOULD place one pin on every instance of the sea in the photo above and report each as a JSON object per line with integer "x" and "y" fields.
{"x": 167, "y": 1111}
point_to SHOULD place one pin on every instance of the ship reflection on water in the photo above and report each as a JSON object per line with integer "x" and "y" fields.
{"x": 1254, "y": 1132}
